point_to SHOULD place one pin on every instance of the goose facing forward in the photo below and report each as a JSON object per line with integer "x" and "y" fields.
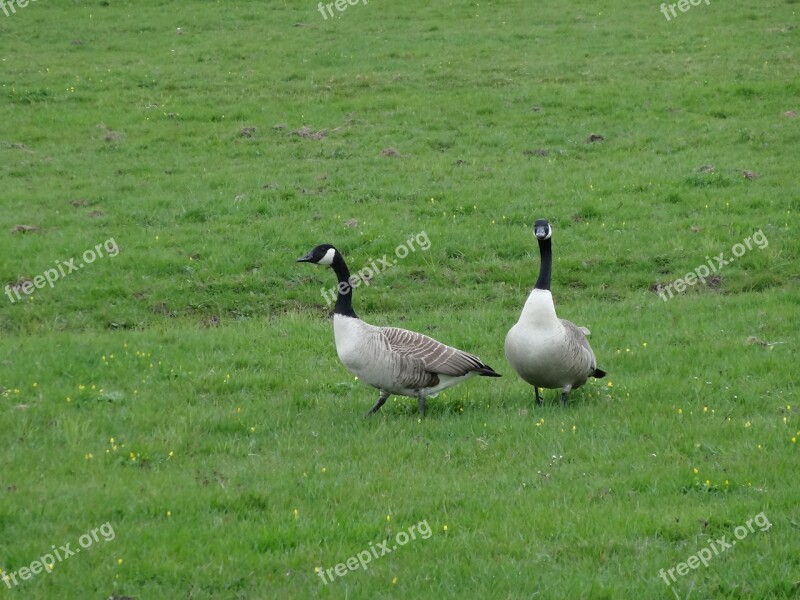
{"x": 395, "y": 361}
{"x": 544, "y": 350}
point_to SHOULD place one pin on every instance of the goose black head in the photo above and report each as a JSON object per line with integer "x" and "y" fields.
{"x": 542, "y": 230}
{"x": 321, "y": 255}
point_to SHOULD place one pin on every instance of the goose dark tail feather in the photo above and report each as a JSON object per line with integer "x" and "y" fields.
{"x": 599, "y": 373}
{"x": 487, "y": 371}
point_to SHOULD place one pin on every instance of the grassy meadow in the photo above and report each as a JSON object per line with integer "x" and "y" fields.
{"x": 163, "y": 164}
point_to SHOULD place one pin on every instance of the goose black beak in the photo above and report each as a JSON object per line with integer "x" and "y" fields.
{"x": 306, "y": 258}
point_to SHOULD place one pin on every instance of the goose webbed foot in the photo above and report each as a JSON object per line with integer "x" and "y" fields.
{"x": 378, "y": 404}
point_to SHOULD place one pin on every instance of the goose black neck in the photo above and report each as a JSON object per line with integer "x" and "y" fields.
{"x": 546, "y": 266}
{"x": 344, "y": 301}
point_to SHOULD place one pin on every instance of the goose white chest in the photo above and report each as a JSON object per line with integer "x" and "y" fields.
{"x": 360, "y": 348}
{"x": 536, "y": 346}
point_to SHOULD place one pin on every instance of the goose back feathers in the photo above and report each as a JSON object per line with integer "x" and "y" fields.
{"x": 401, "y": 361}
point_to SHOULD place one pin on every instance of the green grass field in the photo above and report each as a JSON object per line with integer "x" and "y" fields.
{"x": 182, "y": 396}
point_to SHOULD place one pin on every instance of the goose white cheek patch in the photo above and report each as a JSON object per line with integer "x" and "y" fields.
{"x": 328, "y": 258}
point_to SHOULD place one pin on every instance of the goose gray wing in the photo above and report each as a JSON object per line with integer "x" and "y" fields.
{"x": 578, "y": 346}
{"x": 433, "y": 356}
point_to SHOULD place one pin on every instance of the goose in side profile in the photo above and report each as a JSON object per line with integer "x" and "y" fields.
{"x": 544, "y": 350}
{"x": 395, "y": 361}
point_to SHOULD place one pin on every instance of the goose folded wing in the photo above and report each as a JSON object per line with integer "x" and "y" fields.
{"x": 435, "y": 357}
{"x": 579, "y": 348}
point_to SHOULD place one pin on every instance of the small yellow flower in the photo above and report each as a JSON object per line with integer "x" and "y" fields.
{"x": 324, "y": 469}
{"x": 88, "y": 456}
{"x": 708, "y": 483}
{"x": 170, "y": 455}
{"x": 394, "y": 580}
{"x": 296, "y": 514}
{"x": 169, "y": 513}
{"x": 705, "y": 409}
{"x": 794, "y": 440}
{"x": 610, "y": 384}
{"x": 680, "y": 411}
{"x": 444, "y": 528}
{"x": 388, "y": 517}
{"x": 35, "y": 384}
{"x": 119, "y": 561}
{"x": 644, "y": 344}
{"x": 747, "y": 424}
{"x": 695, "y": 471}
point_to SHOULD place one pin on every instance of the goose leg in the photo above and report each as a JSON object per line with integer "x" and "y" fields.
{"x": 538, "y": 396}
{"x": 565, "y": 394}
{"x": 421, "y": 405}
{"x": 379, "y": 403}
